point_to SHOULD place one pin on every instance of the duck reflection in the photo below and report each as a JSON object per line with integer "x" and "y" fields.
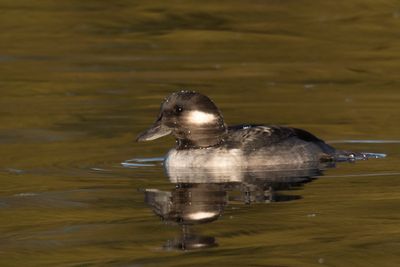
{"x": 201, "y": 195}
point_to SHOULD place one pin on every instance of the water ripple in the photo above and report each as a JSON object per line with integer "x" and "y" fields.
{"x": 142, "y": 162}
{"x": 354, "y": 141}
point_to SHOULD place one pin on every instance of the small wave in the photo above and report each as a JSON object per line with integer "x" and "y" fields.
{"x": 142, "y": 162}
{"x": 14, "y": 171}
{"x": 363, "y": 175}
{"x": 351, "y": 141}
{"x": 373, "y": 155}
{"x": 28, "y": 194}
{"x": 99, "y": 170}
{"x": 353, "y": 156}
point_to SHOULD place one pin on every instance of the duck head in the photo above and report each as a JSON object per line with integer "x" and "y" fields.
{"x": 192, "y": 118}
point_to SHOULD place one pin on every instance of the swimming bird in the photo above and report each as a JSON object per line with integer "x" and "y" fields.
{"x": 204, "y": 140}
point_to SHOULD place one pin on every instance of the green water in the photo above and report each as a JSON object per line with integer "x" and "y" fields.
{"x": 80, "y": 79}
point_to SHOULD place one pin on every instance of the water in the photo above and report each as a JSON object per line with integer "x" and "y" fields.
{"x": 80, "y": 79}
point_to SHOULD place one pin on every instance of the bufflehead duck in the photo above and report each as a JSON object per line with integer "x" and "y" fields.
{"x": 204, "y": 140}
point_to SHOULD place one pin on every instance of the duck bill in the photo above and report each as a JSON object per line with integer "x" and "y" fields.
{"x": 154, "y": 132}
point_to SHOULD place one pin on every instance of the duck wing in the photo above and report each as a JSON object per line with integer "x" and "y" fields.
{"x": 251, "y": 137}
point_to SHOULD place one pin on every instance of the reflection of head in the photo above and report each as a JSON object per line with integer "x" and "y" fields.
{"x": 188, "y": 203}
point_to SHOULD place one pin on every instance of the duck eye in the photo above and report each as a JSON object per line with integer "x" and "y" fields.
{"x": 178, "y": 109}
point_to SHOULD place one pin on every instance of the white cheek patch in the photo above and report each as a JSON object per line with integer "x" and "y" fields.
{"x": 199, "y": 117}
{"x": 201, "y": 215}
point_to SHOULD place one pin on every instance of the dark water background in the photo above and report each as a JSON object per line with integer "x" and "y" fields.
{"x": 79, "y": 80}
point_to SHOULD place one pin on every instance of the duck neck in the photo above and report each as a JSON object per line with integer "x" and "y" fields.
{"x": 202, "y": 137}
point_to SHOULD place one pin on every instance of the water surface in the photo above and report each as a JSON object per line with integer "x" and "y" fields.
{"x": 79, "y": 80}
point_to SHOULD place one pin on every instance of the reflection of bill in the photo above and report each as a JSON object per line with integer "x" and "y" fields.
{"x": 200, "y": 195}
